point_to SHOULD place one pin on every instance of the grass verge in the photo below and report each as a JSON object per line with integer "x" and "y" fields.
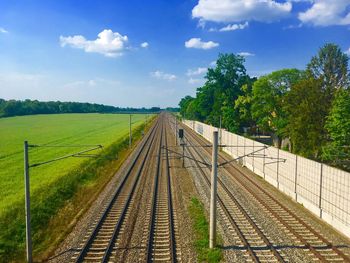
{"x": 201, "y": 229}
{"x": 57, "y": 207}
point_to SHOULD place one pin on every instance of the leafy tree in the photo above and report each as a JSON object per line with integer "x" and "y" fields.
{"x": 267, "y": 99}
{"x": 192, "y": 110}
{"x": 205, "y": 101}
{"x": 243, "y": 104}
{"x": 330, "y": 65}
{"x": 184, "y": 102}
{"x": 337, "y": 150}
{"x": 218, "y": 95}
{"x": 306, "y": 109}
{"x": 226, "y": 79}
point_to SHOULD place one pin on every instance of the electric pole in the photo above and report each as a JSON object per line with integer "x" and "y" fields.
{"x": 27, "y": 204}
{"x": 213, "y": 191}
{"x": 130, "y": 131}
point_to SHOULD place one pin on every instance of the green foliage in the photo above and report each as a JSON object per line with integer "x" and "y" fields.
{"x": 218, "y": 95}
{"x": 243, "y": 104}
{"x": 337, "y": 150}
{"x": 287, "y": 103}
{"x": 184, "y": 104}
{"x": 268, "y": 97}
{"x": 307, "y": 113}
{"x": 330, "y": 65}
{"x": 30, "y": 107}
{"x": 53, "y": 184}
{"x": 201, "y": 227}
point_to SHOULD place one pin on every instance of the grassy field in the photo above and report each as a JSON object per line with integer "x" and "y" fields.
{"x": 50, "y": 182}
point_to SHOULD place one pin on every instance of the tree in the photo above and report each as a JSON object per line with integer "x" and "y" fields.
{"x": 28, "y": 107}
{"x": 267, "y": 99}
{"x": 330, "y": 65}
{"x": 337, "y": 151}
{"x": 243, "y": 104}
{"x": 226, "y": 80}
{"x": 184, "y": 102}
{"x": 306, "y": 109}
{"x": 205, "y": 101}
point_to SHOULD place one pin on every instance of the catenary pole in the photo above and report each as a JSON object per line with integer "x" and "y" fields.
{"x": 220, "y": 131}
{"x": 175, "y": 130}
{"x": 213, "y": 191}
{"x": 27, "y": 204}
{"x": 130, "y": 130}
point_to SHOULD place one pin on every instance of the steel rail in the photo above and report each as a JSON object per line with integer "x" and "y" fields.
{"x": 237, "y": 228}
{"x": 94, "y": 233}
{"x": 170, "y": 204}
{"x": 154, "y": 203}
{"x": 126, "y": 206}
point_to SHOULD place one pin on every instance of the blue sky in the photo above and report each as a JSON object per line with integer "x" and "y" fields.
{"x": 152, "y": 53}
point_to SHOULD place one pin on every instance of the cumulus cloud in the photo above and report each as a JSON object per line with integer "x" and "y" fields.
{"x": 198, "y": 43}
{"x": 246, "y": 54}
{"x": 327, "y": 12}
{"x": 234, "y": 27}
{"x": 241, "y": 10}
{"x": 108, "y": 43}
{"x": 164, "y": 76}
{"x": 195, "y": 72}
{"x": 3, "y": 30}
{"x": 144, "y": 45}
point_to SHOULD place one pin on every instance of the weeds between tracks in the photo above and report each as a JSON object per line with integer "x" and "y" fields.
{"x": 201, "y": 228}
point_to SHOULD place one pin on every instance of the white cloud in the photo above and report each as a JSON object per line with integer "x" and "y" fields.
{"x": 108, "y": 43}
{"x": 234, "y": 27}
{"x": 213, "y": 63}
{"x": 246, "y": 54}
{"x": 241, "y": 10}
{"x": 3, "y": 30}
{"x": 327, "y": 12}
{"x": 195, "y": 81}
{"x": 347, "y": 52}
{"x": 144, "y": 45}
{"x": 97, "y": 82}
{"x": 195, "y": 72}
{"x": 164, "y": 76}
{"x": 198, "y": 43}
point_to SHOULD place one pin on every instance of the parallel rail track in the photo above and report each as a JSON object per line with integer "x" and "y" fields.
{"x": 105, "y": 241}
{"x": 161, "y": 238}
{"x": 252, "y": 239}
{"x": 309, "y": 239}
{"x": 102, "y": 239}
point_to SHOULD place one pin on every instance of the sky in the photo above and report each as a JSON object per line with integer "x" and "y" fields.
{"x": 153, "y": 52}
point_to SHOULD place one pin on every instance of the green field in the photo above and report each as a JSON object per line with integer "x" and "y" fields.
{"x": 55, "y": 129}
{"x": 65, "y": 129}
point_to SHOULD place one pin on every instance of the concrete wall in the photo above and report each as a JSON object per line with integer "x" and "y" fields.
{"x": 322, "y": 189}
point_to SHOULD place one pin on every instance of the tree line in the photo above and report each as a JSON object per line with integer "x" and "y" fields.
{"x": 10, "y": 108}
{"x": 310, "y": 107}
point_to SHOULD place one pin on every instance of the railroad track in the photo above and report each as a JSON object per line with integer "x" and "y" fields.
{"x": 304, "y": 235}
{"x": 161, "y": 245}
{"x": 251, "y": 239}
{"x": 102, "y": 238}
